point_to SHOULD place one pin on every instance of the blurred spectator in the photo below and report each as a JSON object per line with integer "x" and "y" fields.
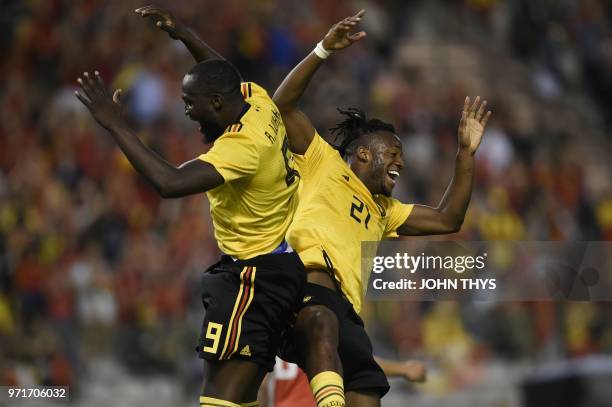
{"x": 93, "y": 263}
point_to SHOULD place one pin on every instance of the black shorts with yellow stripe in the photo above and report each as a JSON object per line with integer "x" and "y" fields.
{"x": 249, "y": 305}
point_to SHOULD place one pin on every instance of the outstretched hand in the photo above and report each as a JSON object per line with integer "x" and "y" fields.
{"x": 339, "y": 35}
{"x": 163, "y": 19}
{"x": 472, "y": 124}
{"x": 106, "y": 109}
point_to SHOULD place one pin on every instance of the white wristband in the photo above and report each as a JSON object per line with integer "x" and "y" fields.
{"x": 321, "y": 52}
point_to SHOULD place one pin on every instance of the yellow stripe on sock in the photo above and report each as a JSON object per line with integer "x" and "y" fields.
{"x": 328, "y": 389}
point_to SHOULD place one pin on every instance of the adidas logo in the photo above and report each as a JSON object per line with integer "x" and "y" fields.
{"x": 346, "y": 177}
{"x": 246, "y": 351}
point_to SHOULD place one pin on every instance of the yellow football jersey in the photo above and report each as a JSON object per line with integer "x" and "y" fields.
{"x": 335, "y": 214}
{"x": 252, "y": 210}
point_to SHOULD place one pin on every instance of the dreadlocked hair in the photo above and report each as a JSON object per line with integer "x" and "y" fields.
{"x": 353, "y": 127}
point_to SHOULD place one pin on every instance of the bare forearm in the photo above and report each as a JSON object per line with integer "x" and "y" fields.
{"x": 456, "y": 199}
{"x": 150, "y": 165}
{"x": 191, "y": 177}
{"x": 448, "y": 216}
{"x": 197, "y": 48}
{"x": 294, "y": 85}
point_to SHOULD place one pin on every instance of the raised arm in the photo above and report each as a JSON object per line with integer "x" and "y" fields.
{"x": 448, "y": 216}
{"x": 299, "y": 127}
{"x": 170, "y": 182}
{"x": 176, "y": 30}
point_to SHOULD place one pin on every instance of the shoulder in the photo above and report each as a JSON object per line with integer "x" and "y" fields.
{"x": 320, "y": 146}
{"x": 236, "y": 134}
{"x": 262, "y": 120}
{"x": 251, "y": 90}
{"x": 387, "y": 204}
{"x": 249, "y": 128}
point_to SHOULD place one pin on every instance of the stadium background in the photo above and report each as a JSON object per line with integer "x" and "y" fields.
{"x": 99, "y": 277}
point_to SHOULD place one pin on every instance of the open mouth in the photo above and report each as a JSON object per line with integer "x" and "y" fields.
{"x": 393, "y": 175}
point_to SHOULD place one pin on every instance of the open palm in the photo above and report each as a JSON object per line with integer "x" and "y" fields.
{"x": 339, "y": 35}
{"x": 472, "y": 124}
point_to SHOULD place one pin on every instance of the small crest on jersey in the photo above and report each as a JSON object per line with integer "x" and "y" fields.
{"x": 346, "y": 177}
{"x": 246, "y": 351}
{"x": 307, "y": 298}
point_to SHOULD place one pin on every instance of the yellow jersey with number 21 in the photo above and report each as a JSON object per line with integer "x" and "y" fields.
{"x": 335, "y": 214}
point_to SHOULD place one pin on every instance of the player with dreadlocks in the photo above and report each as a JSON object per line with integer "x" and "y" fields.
{"x": 345, "y": 199}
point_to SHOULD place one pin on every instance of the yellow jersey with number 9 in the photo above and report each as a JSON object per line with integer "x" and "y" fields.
{"x": 252, "y": 210}
{"x": 335, "y": 214}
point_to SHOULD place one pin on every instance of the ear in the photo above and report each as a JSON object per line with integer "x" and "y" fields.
{"x": 363, "y": 154}
{"x": 217, "y": 101}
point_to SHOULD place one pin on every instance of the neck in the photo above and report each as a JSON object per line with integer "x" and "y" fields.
{"x": 362, "y": 174}
{"x": 233, "y": 113}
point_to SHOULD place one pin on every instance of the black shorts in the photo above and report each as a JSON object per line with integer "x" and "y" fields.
{"x": 249, "y": 304}
{"x": 361, "y": 372}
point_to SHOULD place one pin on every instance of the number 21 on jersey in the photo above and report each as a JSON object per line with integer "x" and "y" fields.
{"x": 360, "y": 211}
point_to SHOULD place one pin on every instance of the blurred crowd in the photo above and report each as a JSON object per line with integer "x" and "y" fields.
{"x": 94, "y": 263}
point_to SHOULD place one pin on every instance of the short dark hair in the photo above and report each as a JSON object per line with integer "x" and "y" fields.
{"x": 216, "y": 76}
{"x": 356, "y": 125}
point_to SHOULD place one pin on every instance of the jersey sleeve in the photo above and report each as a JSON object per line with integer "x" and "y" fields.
{"x": 317, "y": 152}
{"x": 397, "y": 213}
{"x": 234, "y": 155}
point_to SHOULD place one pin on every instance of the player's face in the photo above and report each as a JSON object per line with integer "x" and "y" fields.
{"x": 387, "y": 162}
{"x": 202, "y": 108}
